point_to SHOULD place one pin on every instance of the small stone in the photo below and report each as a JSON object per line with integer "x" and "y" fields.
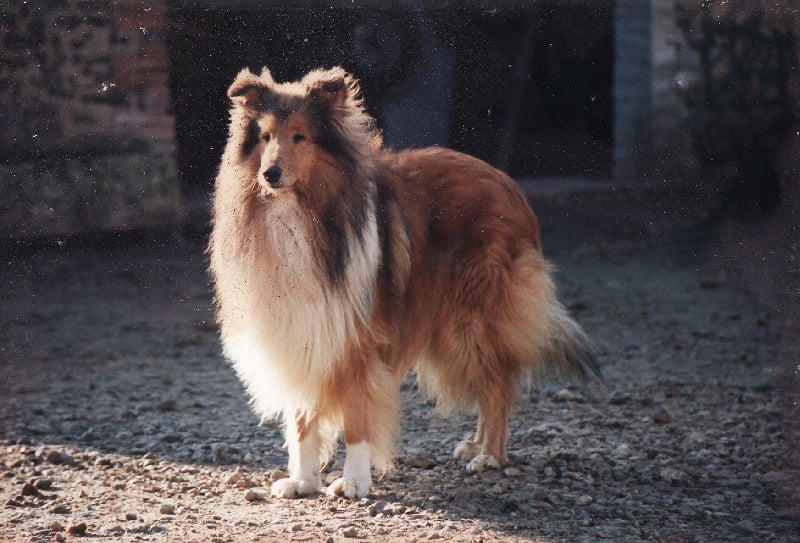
{"x": 350, "y": 532}
{"x": 276, "y": 475}
{"x": 499, "y": 488}
{"x": 167, "y": 405}
{"x": 623, "y": 450}
{"x": 297, "y": 528}
{"x": 43, "y": 484}
{"x": 131, "y": 516}
{"x": 77, "y": 529}
{"x": 167, "y": 509}
{"x": 377, "y": 507}
{"x": 256, "y": 494}
{"x": 393, "y": 509}
{"x": 662, "y": 416}
{"x": 59, "y": 458}
{"x": 564, "y": 395}
{"x": 512, "y": 471}
{"x": 746, "y": 527}
{"x": 540, "y": 494}
{"x": 60, "y": 538}
{"x": 61, "y": 509}
{"x": 56, "y": 526}
{"x": 234, "y": 477}
{"x": 435, "y": 535}
{"x": 618, "y": 398}
{"x": 29, "y": 490}
{"x": 421, "y": 461}
{"x": 672, "y": 475}
{"x": 584, "y": 500}
{"x": 246, "y": 483}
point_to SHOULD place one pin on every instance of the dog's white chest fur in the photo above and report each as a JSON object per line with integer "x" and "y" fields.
{"x": 295, "y": 325}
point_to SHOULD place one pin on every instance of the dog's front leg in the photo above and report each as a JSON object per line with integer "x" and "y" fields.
{"x": 356, "y": 478}
{"x": 369, "y": 412}
{"x": 305, "y": 448}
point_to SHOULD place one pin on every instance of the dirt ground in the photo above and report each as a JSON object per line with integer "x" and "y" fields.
{"x": 120, "y": 420}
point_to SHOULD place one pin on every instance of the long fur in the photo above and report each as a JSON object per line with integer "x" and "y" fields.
{"x": 365, "y": 263}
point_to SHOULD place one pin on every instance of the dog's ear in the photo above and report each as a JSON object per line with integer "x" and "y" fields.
{"x": 248, "y": 89}
{"x": 331, "y": 88}
{"x": 266, "y": 76}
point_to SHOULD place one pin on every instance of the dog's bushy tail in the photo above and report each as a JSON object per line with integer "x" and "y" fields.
{"x": 568, "y": 351}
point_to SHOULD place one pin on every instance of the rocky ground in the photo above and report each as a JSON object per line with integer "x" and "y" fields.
{"x": 120, "y": 421}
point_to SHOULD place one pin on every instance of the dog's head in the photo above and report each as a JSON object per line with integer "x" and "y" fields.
{"x": 301, "y": 133}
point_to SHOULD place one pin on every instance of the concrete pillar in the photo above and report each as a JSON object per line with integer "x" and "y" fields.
{"x": 632, "y": 77}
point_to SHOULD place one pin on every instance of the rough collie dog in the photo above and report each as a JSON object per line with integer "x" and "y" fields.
{"x": 340, "y": 266}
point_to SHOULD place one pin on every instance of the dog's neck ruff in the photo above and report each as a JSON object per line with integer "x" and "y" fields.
{"x": 294, "y": 324}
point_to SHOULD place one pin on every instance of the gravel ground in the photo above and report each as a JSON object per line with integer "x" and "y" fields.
{"x": 120, "y": 421}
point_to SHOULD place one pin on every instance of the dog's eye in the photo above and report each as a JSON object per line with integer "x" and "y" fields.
{"x": 298, "y": 138}
{"x": 266, "y": 137}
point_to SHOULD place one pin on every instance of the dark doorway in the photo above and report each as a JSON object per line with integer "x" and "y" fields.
{"x": 525, "y": 88}
{"x": 533, "y": 85}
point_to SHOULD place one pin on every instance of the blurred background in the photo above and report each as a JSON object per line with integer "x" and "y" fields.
{"x": 113, "y": 114}
{"x": 639, "y": 117}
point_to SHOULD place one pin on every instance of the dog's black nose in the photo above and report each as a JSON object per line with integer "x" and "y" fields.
{"x": 273, "y": 175}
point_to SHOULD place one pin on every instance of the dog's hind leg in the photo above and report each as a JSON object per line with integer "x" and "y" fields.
{"x": 494, "y": 409}
{"x": 470, "y": 448}
{"x": 495, "y": 397}
{"x": 305, "y": 450}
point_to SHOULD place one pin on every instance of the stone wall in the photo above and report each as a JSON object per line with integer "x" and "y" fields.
{"x": 86, "y": 138}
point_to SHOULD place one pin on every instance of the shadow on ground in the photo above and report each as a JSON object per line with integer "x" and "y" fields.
{"x": 114, "y": 388}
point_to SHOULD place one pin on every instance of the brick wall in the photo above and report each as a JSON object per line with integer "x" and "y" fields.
{"x": 86, "y": 140}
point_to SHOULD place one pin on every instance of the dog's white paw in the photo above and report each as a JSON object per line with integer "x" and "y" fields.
{"x": 467, "y": 450}
{"x": 349, "y": 488}
{"x": 482, "y": 462}
{"x": 293, "y": 488}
